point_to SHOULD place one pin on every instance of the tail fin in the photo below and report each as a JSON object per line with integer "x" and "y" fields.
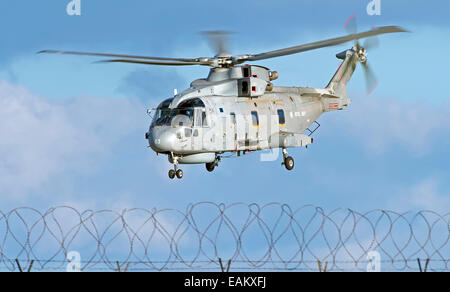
{"x": 338, "y": 84}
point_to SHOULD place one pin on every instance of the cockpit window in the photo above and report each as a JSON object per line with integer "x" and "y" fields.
{"x": 183, "y": 115}
{"x": 162, "y": 112}
{"x": 166, "y": 103}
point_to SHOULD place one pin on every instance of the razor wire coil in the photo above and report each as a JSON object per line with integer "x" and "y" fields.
{"x": 209, "y": 236}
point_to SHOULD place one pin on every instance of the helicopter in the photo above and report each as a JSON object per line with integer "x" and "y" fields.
{"x": 237, "y": 109}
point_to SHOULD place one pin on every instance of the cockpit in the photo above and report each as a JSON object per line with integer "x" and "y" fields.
{"x": 189, "y": 113}
{"x": 162, "y": 112}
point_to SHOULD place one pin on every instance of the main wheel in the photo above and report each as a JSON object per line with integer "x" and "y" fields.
{"x": 289, "y": 163}
{"x": 171, "y": 174}
{"x": 210, "y": 166}
{"x": 179, "y": 173}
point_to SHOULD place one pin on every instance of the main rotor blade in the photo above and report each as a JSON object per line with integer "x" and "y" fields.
{"x": 321, "y": 44}
{"x": 161, "y": 63}
{"x": 115, "y": 56}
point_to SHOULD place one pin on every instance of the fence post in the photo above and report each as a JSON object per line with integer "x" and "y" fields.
{"x": 426, "y": 265}
{"x": 319, "y": 263}
{"x": 126, "y": 267}
{"x": 120, "y": 270}
{"x": 30, "y": 266}
{"x": 427, "y": 261}
{"x": 221, "y": 265}
{"x": 222, "y": 268}
{"x": 228, "y": 265}
{"x": 20, "y": 267}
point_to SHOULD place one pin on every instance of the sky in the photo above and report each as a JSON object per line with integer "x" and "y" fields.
{"x": 72, "y": 131}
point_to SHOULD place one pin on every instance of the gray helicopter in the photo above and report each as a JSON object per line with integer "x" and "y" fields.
{"x": 237, "y": 109}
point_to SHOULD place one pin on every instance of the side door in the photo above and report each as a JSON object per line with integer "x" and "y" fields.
{"x": 199, "y": 123}
{"x": 265, "y": 125}
{"x": 242, "y": 131}
{"x": 224, "y": 132}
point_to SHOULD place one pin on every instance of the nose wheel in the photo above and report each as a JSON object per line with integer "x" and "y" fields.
{"x": 288, "y": 161}
{"x": 179, "y": 174}
{"x": 175, "y": 172}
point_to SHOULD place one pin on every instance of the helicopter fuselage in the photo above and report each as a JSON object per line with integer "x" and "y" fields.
{"x": 244, "y": 113}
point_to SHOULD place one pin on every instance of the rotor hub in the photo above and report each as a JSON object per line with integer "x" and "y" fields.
{"x": 361, "y": 53}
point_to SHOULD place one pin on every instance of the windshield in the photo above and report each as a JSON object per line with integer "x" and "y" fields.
{"x": 181, "y": 116}
{"x": 174, "y": 117}
{"x": 162, "y": 113}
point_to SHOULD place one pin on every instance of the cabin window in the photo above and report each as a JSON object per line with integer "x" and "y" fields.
{"x": 255, "y": 119}
{"x": 233, "y": 118}
{"x": 244, "y": 87}
{"x": 198, "y": 117}
{"x": 204, "y": 120}
{"x": 181, "y": 118}
{"x": 191, "y": 103}
{"x": 187, "y": 132}
{"x": 281, "y": 117}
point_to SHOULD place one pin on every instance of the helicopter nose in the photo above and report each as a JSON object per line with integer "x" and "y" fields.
{"x": 161, "y": 141}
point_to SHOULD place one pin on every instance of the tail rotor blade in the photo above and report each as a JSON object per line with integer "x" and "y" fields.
{"x": 371, "y": 43}
{"x": 371, "y": 79}
{"x": 350, "y": 25}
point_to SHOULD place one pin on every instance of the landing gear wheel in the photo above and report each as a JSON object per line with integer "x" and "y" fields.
{"x": 289, "y": 163}
{"x": 179, "y": 174}
{"x": 210, "y": 166}
{"x": 171, "y": 174}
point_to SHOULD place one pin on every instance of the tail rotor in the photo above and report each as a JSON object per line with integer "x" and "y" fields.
{"x": 361, "y": 51}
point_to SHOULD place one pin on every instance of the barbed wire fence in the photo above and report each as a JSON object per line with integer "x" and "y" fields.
{"x": 217, "y": 237}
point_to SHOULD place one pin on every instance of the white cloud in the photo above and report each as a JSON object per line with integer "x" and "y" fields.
{"x": 43, "y": 139}
{"x": 426, "y": 194}
{"x": 381, "y": 123}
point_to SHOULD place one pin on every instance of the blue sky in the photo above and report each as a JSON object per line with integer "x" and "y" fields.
{"x": 73, "y": 131}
